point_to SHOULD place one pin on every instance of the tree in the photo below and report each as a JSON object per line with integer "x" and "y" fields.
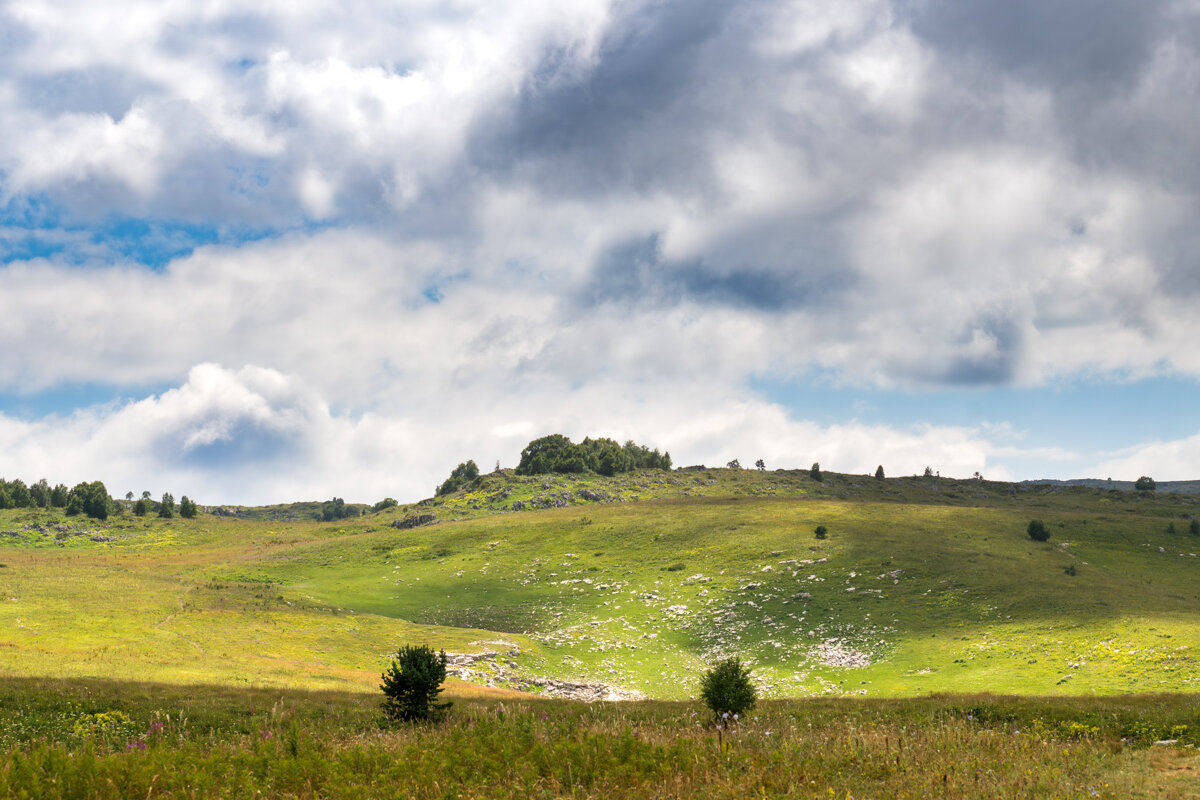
{"x": 142, "y": 507}
{"x": 815, "y": 472}
{"x": 463, "y": 474}
{"x": 727, "y": 690}
{"x": 129, "y": 497}
{"x": 187, "y": 508}
{"x": 166, "y": 506}
{"x": 928, "y": 472}
{"x": 1145, "y": 484}
{"x": 146, "y": 494}
{"x": 385, "y": 503}
{"x": 18, "y": 493}
{"x": 336, "y": 509}
{"x": 40, "y": 493}
{"x": 59, "y": 496}
{"x": 89, "y": 498}
{"x": 735, "y": 464}
{"x": 1037, "y": 531}
{"x": 1194, "y": 528}
{"x": 760, "y": 464}
{"x": 820, "y": 531}
{"x": 879, "y": 473}
{"x": 412, "y": 683}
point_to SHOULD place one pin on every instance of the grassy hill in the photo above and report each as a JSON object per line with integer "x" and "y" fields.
{"x": 240, "y": 655}
{"x": 630, "y": 585}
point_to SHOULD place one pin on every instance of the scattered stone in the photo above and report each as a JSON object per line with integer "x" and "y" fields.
{"x": 415, "y": 521}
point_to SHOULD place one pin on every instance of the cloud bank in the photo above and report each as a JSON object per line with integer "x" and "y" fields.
{"x": 422, "y": 224}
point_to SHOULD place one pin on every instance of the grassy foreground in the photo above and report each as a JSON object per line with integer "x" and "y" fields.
{"x": 94, "y": 739}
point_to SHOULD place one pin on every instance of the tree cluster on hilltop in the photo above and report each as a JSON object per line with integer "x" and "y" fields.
{"x": 463, "y": 474}
{"x": 557, "y": 453}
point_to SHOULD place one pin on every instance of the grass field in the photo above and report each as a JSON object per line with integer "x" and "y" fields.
{"x": 68, "y": 739}
{"x": 923, "y": 587}
{"x": 902, "y": 598}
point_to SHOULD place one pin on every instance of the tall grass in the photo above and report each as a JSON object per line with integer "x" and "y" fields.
{"x": 220, "y": 742}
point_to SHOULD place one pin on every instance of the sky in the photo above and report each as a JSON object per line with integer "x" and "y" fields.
{"x": 291, "y": 251}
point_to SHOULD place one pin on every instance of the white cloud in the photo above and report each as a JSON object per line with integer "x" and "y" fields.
{"x": 256, "y": 435}
{"x": 1177, "y": 460}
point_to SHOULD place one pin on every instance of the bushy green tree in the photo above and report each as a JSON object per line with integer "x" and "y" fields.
{"x": 461, "y": 475}
{"x": 336, "y": 509}
{"x": 412, "y": 683}
{"x": 89, "y": 498}
{"x": 879, "y": 473}
{"x": 142, "y": 507}
{"x": 1145, "y": 484}
{"x": 1037, "y": 531}
{"x": 187, "y": 508}
{"x": 166, "y": 506}
{"x": 59, "y": 496}
{"x": 39, "y": 494}
{"x": 821, "y": 532}
{"x": 815, "y": 472}
{"x": 383, "y": 504}
{"x": 727, "y": 689}
{"x": 18, "y": 493}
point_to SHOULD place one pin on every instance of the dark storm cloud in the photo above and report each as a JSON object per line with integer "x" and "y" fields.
{"x": 631, "y": 122}
{"x": 1095, "y": 46}
{"x": 636, "y": 273}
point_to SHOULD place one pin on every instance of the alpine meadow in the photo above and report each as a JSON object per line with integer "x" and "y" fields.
{"x": 926, "y": 646}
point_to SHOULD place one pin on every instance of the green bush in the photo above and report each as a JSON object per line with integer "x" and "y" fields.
{"x": 1145, "y": 484}
{"x": 1194, "y": 528}
{"x": 1037, "y": 531}
{"x": 412, "y": 683}
{"x": 821, "y": 531}
{"x": 727, "y": 690}
{"x": 460, "y": 476}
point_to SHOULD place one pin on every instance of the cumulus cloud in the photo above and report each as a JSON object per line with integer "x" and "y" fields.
{"x": 256, "y": 435}
{"x": 1176, "y": 460}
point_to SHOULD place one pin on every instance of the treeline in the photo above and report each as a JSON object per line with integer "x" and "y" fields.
{"x": 89, "y": 498}
{"x": 558, "y": 454}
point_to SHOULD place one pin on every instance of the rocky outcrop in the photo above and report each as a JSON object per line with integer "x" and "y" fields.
{"x": 415, "y": 521}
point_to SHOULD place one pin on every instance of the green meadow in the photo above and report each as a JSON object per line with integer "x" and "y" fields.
{"x": 926, "y": 639}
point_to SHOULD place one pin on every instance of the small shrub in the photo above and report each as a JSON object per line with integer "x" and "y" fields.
{"x": 1194, "y": 528}
{"x": 1171, "y": 528}
{"x": 821, "y": 531}
{"x": 412, "y": 683}
{"x": 879, "y": 473}
{"x": 727, "y": 690}
{"x": 1037, "y": 531}
{"x": 675, "y": 568}
{"x": 1070, "y": 570}
{"x": 1145, "y": 484}
{"x": 815, "y": 472}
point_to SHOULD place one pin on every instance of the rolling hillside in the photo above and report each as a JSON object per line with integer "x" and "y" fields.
{"x": 627, "y": 586}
